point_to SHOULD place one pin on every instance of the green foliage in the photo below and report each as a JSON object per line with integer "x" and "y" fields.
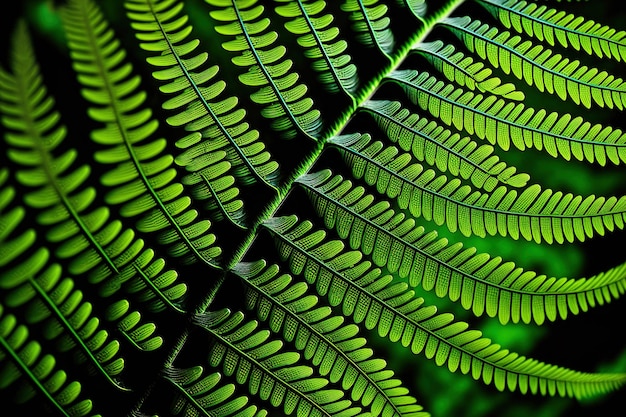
{"x": 246, "y": 208}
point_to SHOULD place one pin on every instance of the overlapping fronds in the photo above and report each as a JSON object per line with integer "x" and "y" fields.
{"x": 204, "y": 393}
{"x": 509, "y": 123}
{"x": 220, "y": 149}
{"x": 270, "y": 372}
{"x": 143, "y": 180}
{"x": 464, "y": 70}
{"x": 388, "y": 306}
{"x": 539, "y": 66}
{"x": 24, "y": 363}
{"x": 331, "y": 345}
{"x": 86, "y": 236}
{"x": 481, "y": 283}
{"x": 371, "y": 23}
{"x": 559, "y": 27}
{"x": 322, "y": 43}
{"x": 280, "y": 94}
{"x": 449, "y": 152}
{"x": 305, "y": 140}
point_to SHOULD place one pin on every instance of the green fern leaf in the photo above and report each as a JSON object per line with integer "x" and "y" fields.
{"x": 270, "y": 373}
{"x": 218, "y": 134}
{"x": 29, "y": 277}
{"x": 87, "y": 237}
{"x": 312, "y": 27}
{"x": 384, "y": 304}
{"x": 283, "y": 99}
{"x": 331, "y": 345}
{"x": 22, "y": 356}
{"x": 481, "y": 283}
{"x": 143, "y": 179}
{"x": 555, "y": 26}
{"x": 506, "y": 123}
{"x": 539, "y": 66}
{"x": 371, "y": 23}
{"x": 466, "y": 72}
{"x": 430, "y": 143}
{"x": 532, "y": 214}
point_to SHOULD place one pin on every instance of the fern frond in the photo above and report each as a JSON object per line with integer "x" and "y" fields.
{"x": 21, "y": 359}
{"x": 430, "y": 143}
{"x": 320, "y": 40}
{"x": 143, "y": 180}
{"x": 505, "y": 123}
{"x": 386, "y": 305}
{"x": 220, "y": 149}
{"x": 331, "y": 345}
{"x": 370, "y": 22}
{"x": 247, "y": 353}
{"x": 417, "y": 7}
{"x": 202, "y": 393}
{"x": 283, "y": 99}
{"x": 556, "y": 26}
{"x": 464, "y": 71}
{"x": 86, "y": 236}
{"x": 481, "y": 283}
{"x": 539, "y": 66}
{"x": 139, "y": 333}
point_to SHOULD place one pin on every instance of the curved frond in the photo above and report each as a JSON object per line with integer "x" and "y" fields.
{"x": 21, "y": 359}
{"x": 464, "y": 71}
{"x": 282, "y": 98}
{"x": 321, "y": 44}
{"x": 324, "y": 338}
{"x": 371, "y": 24}
{"x": 505, "y": 123}
{"x": 143, "y": 179}
{"x": 451, "y": 152}
{"x": 481, "y": 283}
{"x": 539, "y": 66}
{"x": 203, "y": 393}
{"x": 270, "y": 372}
{"x": 386, "y": 305}
{"x": 220, "y": 151}
{"x": 559, "y": 27}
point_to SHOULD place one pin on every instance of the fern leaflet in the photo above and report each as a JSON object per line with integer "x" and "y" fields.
{"x": 539, "y": 66}
{"x": 429, "y": 142}
{"x": 283, "y": 99}
{"x": 505, "y": 123}
{"x": 270, "y": 372}
{"x": 463, "y": 70}
{"x": 555, "y": 26}
{"x": 319, "y": 39}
